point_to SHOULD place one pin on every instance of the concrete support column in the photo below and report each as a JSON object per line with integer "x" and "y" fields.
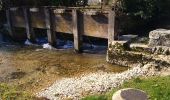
{"x": 78, "y": 29}
{"x": 28, "y": 25}
{"x": 111, "y": 26}
{"x": 50, "y": 26}
{"x": 9, "y": 22}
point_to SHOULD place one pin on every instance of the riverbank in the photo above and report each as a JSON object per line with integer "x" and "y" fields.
{"x": 99, "y": 82}
{"x": 63, "y": 74}
{"x": 31, "y": 69}
{"x": 156, "y": 87}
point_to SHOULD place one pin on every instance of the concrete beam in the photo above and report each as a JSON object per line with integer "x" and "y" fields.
{"x": 111, "y": 26}
{"x": 9, "y": 22}
{"x": 28, "y": 25}
{"x": 78, "y": 29}
{"x": 50, "y": 26}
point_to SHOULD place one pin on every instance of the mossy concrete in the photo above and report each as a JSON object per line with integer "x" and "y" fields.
{"x": 125, "y": 55}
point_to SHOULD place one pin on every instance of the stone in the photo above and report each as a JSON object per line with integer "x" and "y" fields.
{"x": 159, "y": 37}
{"x": 161, "y": 50}
{"x": 130, "y": 94}
{"x": 152, "y": 67}
{"x": 92, "y": 83}
{"x": 123, "y": 41}
{"x": 166, "y": 51}
{"x": 140, "y": 47}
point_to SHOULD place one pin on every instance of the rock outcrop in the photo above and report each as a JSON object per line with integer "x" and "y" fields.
{"x": 159, "y": 37}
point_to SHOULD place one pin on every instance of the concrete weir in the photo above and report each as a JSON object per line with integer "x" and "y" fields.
{"x": 77, "y": 21}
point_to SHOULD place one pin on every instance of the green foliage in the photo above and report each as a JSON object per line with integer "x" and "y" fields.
{"x": 30, "y": 2}
{"x": 156, "y": 87}
{"x": 44, "y": 2}
{"x": 68, "y": 2}
{"x": 146, "y": 9}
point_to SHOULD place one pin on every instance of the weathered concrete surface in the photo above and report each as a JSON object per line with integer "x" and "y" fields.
{"x": 141, "y": 47}
{"x": 94, "y": 25}
{"x": 129, "y": 94}
{"x": 123, "y": 57}
{"x": 131, "y": 54}
{"x": 159, "y": 37}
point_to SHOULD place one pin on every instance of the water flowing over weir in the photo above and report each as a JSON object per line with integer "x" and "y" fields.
{"x": 32, "y": 68}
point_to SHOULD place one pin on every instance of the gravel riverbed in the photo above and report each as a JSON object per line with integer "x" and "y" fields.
{"x": 77, "y": 87}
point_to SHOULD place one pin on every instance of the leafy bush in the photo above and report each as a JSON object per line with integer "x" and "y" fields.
{"x": 146, "y": 9}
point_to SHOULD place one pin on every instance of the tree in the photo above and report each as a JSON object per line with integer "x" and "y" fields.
{"x": 146, "y": 9}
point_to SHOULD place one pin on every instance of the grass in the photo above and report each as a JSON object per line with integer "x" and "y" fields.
{"x": 11, "y": 93}
{"x": 8, "y": 92}
{"x": 157, "y": 88}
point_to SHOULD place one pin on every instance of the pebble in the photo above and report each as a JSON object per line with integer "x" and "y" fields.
{"x": 74, "y": 88}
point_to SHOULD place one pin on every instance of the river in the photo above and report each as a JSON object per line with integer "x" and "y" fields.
{"x": 32, "y": 68}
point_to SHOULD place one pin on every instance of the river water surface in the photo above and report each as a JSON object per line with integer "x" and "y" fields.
{"x": 33, "y": 68}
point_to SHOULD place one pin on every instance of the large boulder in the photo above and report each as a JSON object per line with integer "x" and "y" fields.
{"x": 159, "y": 37}
{"x": 129, "y": 94}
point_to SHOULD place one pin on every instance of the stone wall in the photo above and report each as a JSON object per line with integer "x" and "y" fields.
{"x": 130, "y": 57}
{"x": 159, "y": 41}
{"x": 159, "y": 37}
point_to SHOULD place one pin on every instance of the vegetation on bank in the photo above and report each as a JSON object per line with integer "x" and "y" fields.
{"x": 11, "y": 93}
{"x": 8, "y": 92}
{"x": 157, "y": 88}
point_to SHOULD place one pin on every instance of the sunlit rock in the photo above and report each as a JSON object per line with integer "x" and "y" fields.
{"x": 129, "y": 94}
{"x": 159, "y": 37}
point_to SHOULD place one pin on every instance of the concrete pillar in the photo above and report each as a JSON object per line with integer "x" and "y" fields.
{"x": 9, "y": 22}
{"x": 78, "y": 29}
{"x": 111, "y": 26}
{"x": 28, "y": 25}
{"x": 50, "y": 26}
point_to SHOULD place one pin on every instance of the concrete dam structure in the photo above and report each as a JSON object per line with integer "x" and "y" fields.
{"x": 77, "y": 21}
